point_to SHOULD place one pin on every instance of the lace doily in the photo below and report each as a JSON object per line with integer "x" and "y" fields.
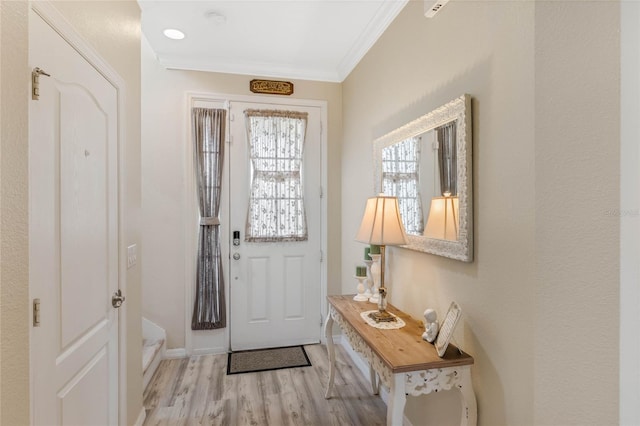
{"x": 390, "y": 325}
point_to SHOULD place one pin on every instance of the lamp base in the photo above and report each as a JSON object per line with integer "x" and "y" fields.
{"x": 382, "y": 316}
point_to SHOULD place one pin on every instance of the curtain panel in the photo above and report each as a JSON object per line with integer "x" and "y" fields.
{"x": 447, "y": 158}
{"x": 276, "y": 204}
{"x": 209, "y": 311}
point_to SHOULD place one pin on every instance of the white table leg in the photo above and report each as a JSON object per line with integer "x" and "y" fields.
{"x": 397, "y": 400}
{"x": 375, "y": 386}
{"x": 328, "y": 334}
{"x": 468, "y": 397}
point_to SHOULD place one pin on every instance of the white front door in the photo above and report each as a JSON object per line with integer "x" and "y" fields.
{"x": 73, "y": 236}
{"x": 274, "y": 286}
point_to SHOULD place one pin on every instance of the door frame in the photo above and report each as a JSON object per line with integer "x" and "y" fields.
{"x": 191, "y": 207}
{"x": 61, "y": 25}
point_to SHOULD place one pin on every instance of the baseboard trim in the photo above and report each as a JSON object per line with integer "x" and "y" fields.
{"x": 178, "y": 353}
{"x": 175, "y": 353}
{"x": 210, "y": 351}
{"x": 363, "y": 366}
{"x": 141, "y": 417}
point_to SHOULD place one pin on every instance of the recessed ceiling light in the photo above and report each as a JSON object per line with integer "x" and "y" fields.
{"x": 173, "y": 34}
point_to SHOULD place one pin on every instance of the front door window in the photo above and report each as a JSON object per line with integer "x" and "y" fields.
{"x": 276, "y": 147}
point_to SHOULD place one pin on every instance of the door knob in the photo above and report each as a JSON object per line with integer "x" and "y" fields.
{"x": 117, "y": 299}
{"x": 236, "y": 256}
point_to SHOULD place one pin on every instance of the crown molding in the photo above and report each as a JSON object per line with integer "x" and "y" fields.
{"x": 376, "y": 27}
{"x": 223, "y": 65}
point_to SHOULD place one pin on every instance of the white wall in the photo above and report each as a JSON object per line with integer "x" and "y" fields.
{"x": 541, "y": 299}
{"x": 577, "y": 184}
{"x": 164, "y": 134}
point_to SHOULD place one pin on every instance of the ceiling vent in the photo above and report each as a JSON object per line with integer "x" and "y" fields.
{"x": 432, "y": 7}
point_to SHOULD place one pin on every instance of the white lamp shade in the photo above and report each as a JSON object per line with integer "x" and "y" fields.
{"x": 381, "y": 223}
{"x": 443, "y": 219}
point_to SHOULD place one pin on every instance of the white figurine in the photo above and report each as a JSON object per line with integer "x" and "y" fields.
{"x": 431, "y": 325}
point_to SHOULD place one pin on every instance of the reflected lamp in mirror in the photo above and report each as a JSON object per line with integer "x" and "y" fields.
{"x": 382, "y": 225}
{"x": 443, "y": 219}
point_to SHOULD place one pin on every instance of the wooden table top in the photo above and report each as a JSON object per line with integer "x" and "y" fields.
{"x": 402, "y": 350}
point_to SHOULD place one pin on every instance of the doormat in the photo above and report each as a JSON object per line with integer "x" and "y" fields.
{"x": 267, "y": 359}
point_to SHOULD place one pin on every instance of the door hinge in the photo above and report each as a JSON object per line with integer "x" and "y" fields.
{"x": 321, "y": 192}
{"x": 35, "y": 82}
{"x": 320, "y": 320}
{"x": 321, "y": 256}
{"x": 36, "y": 312}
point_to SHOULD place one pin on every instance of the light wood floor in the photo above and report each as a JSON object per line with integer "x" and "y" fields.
{"x": 197, "y": 391}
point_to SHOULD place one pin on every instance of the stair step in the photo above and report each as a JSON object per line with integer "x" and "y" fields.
{"x": 150, "y": 349}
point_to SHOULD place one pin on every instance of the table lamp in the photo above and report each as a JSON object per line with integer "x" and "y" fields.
{"x": 382, "y": 225}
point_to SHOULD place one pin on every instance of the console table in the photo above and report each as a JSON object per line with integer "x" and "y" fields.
{"x": 400, "y": 359}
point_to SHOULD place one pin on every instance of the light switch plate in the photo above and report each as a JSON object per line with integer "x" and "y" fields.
{"x": 132, "y": 255}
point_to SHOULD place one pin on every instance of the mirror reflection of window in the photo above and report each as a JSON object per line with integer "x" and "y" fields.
{"x": 401, "y": 178}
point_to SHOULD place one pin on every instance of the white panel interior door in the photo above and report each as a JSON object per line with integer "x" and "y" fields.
{"x": 73, "y": 231}
{"x": 275, "y": 287}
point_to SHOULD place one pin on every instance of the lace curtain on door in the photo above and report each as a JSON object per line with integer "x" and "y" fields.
{"x": 400, "y": 178}
{"x": 276, "y": 205}
{"x": 208, "y": 132}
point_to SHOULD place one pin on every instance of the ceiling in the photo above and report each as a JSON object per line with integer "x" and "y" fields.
{"x": 296, "y": 39}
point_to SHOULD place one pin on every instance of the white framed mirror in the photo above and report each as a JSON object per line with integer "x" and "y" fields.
{"x": 427, "y": 164}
